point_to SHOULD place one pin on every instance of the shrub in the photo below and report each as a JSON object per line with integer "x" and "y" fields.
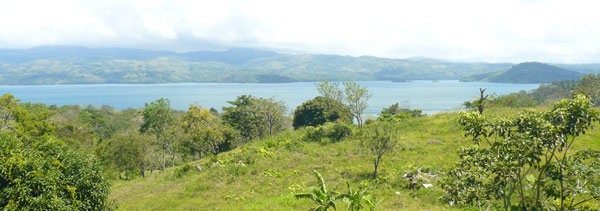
{"x": 179, "y": 172}
{"x": 526, "y": 160}
{"x": 329, "y": 132}
{"x": 45, "y": 174}
{"x": 319, "y": 110}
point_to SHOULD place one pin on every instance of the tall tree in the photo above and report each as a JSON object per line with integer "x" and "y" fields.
{"x": 356, "y": 98}
{"x": 158, "y": 119}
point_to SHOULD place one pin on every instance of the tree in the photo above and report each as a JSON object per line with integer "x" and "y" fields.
{"x": 589, "y": 86}
{"x": 255, "y": 117}
{"x": 320, "y": 195}
{"x": 42, "y": 173}
{"x": 273, "y": 112}
{"x": 331, "y": 91}
{"x": 320, "y": 110}
{"x": 378, "y": 139}
{"x": 205, "y": 133}
{"x": 481, "y": 101}
{"x": 158, "y": 119}
{"x": 24, "y": 119}
{"x": 526, "y": 159}
{"x": 128, "y": 152}
{"x": 356, "y": 98}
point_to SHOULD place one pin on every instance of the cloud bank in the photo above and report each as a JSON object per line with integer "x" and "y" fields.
{"x": 465, "y": 30}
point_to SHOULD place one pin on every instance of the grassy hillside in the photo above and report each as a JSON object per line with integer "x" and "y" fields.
{"x": 528, "y": 72}
{"x": 276, "y": 168}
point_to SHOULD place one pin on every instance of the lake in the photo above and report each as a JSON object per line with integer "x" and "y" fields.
{"x": 431, "y": 97}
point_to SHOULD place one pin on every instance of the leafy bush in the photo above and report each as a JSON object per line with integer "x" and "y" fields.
{"x": 44, "y": 174}
{"x": 514, "y": 100}
{"x": 319, "y": 110}
{"x": 525, "y": 160}
{"x": 179, "y": 172}
{"x": 329, "y": 132}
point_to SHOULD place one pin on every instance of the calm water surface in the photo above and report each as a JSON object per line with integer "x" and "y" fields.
{"x": 431, "y": 97}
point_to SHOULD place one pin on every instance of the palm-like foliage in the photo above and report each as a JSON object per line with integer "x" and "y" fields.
{"x": 355, "y": 199}
{"x": 323, "y": 197}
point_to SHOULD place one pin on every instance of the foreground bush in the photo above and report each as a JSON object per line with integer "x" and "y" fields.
{"x": 525, "y": 162}
{"x": 45, "y": 174}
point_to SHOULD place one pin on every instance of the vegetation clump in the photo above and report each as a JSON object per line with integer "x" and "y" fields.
{"x": 526, "y": 161}
{"x": 320, "y": 110}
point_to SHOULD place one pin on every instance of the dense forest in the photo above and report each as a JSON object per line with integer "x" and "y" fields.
{"x": 78, "y": 65}
{"x": 325, "y": 155}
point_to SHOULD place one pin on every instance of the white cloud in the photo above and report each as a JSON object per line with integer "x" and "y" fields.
{"x": 474, "y": 30}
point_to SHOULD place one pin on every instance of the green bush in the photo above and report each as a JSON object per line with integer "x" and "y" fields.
{"x": 329, "y": 132}
{"x": 45, "y": 174}
{"x": 319, "y": 110}
{"x": 179, "y": 172}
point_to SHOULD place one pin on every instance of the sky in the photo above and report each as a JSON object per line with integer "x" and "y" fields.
{"x": 565, "y": 31}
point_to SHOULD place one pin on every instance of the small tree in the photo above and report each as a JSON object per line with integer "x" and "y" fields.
{"x": 481, "y": 101}
{"x": 273, "y": 113}
{"x": 158, "y": 119}
{"x": 320, "y": 195}
{"x": 378, "y": 139}
{"x": 356, "y": 98}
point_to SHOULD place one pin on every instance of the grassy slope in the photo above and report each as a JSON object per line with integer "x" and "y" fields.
{"x": 256, "y": 187}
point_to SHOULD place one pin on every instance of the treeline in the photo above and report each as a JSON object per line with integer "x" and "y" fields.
{"x": 546, "y": 94}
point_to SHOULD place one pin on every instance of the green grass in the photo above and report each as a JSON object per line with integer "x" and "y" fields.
{"x": 284, "y": 164}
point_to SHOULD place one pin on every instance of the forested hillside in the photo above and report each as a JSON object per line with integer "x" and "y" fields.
{"x": 78, "y": 65}
{"x": 528, "y": 72}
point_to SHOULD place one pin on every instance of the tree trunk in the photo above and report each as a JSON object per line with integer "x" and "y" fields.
{"x": 172, "y": 159}
{"x": 376, "y": 165}
{"x": 164, "y": 161}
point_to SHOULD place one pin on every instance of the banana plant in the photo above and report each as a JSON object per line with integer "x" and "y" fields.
{"x": 324, "y": 198}
{"x": 355, "y": 199}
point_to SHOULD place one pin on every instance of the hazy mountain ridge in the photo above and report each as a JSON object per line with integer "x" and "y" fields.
{"x": 80, "y": 65}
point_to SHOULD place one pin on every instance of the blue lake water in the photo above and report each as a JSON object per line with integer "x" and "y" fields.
{"x": 431, "y": 97}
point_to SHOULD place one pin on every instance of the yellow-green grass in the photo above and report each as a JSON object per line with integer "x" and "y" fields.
{"x": 282, "y": 170}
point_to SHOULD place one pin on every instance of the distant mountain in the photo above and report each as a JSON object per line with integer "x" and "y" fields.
{"x": 81, "y": 65}
{"x": 528, "y": 72}
{"x": 235, "y": 56}
{"x": 74, "y": 53}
